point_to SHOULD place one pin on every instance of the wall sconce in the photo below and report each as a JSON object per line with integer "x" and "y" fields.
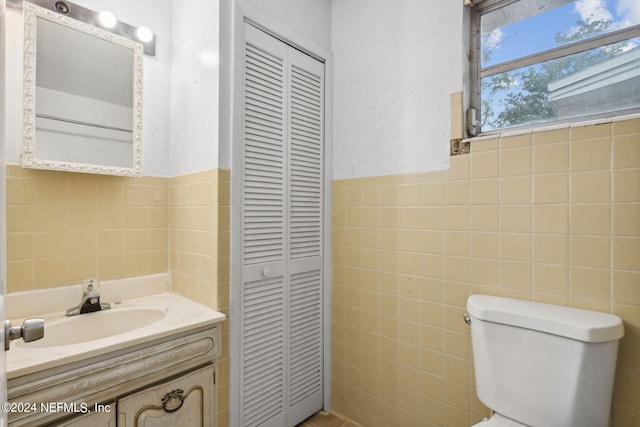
{"x": 105, "y": 20}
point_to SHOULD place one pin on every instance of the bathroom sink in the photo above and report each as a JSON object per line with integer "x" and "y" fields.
{"x": 142, "y": 312}
{"x": 94, "y": 326}
{"x": 148, "y": 335}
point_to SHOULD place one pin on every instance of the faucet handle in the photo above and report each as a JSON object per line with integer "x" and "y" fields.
{"x": 90, "y": 285}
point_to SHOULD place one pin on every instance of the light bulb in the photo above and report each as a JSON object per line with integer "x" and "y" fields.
{"x": 144, "y": 34}
{"x": 107, "y": 19}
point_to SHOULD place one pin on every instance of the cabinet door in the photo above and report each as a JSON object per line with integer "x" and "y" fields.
{"x": 106, "y": 417}
{"x": 188, "y": 401}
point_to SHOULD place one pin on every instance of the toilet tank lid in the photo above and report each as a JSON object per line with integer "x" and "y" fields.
{"x": 575, "y": 323}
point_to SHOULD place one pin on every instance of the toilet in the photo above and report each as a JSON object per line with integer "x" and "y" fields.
{"x": 542, "y": 365}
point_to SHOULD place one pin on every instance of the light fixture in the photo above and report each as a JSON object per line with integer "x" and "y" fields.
{"x": 144, "y": 34}
{"x": 104, "y": 20}
{"x": 107, "y": 19}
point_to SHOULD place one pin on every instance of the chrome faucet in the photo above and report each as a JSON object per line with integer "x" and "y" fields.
{"x": 90, "y": 299}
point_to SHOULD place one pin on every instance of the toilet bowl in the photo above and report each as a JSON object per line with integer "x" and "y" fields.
{"x": 543, "y": 365}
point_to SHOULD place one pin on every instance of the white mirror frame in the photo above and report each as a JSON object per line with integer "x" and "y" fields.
{"x": 31, "y": 13}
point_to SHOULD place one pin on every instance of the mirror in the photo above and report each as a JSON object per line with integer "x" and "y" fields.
{"x": 82, "y": 96}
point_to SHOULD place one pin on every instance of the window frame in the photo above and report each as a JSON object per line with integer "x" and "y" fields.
{"x": 474, "y": 114}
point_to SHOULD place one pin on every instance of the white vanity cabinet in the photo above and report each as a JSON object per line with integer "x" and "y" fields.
{"x": 168, "y": 382}
{"x": 105, "y": 418}
{"x": 188, "y": 401}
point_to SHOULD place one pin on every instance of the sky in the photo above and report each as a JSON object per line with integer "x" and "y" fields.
{"x": 537, "y": 33}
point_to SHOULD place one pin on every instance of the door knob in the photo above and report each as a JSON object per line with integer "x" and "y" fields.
{"x": 30, "y": 330}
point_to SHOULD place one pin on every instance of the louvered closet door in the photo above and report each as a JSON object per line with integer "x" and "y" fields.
{"x": 281, "y": 296}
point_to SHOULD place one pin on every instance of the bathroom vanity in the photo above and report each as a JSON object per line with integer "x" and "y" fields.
{"x": 149, "y": 360}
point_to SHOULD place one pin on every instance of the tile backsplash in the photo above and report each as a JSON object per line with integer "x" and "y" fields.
{"x": 548, "y": 215}
{"x": 64, "y": 227}
{"x": 199, "y": 253}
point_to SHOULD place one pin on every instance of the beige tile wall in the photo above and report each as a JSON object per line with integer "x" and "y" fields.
{"x": 551, "y": 216}
{"x": 224, "y": 282}
{"x": 194, "y": 235}
{"x": 200, "y": 252}
{"x": 64, "y": 227}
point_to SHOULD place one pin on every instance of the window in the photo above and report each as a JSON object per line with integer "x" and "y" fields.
{"x": 541, "y": 61}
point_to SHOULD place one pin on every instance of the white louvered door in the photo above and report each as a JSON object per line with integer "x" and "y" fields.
{"x": 282, "y": 205}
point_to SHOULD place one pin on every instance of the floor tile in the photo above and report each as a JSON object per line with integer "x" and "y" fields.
{"x": 326, "y": 419}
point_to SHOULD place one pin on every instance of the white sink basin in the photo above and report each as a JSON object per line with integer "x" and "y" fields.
{"x": 94, "y": 326}
{"x": 135, "y": 318}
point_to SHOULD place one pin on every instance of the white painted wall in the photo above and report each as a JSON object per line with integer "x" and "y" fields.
{"x": 155, "y": 85}
{"x": 198, "y": 102}
{"x": 308, "y": 18}
{"x": 395, "y": 65}
{"x": 194, "y": 86}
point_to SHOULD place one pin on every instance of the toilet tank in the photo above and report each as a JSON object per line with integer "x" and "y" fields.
{"x": 542, "y": 364}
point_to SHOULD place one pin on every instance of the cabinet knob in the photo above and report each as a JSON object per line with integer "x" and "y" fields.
{"x": 266, "y": 272}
